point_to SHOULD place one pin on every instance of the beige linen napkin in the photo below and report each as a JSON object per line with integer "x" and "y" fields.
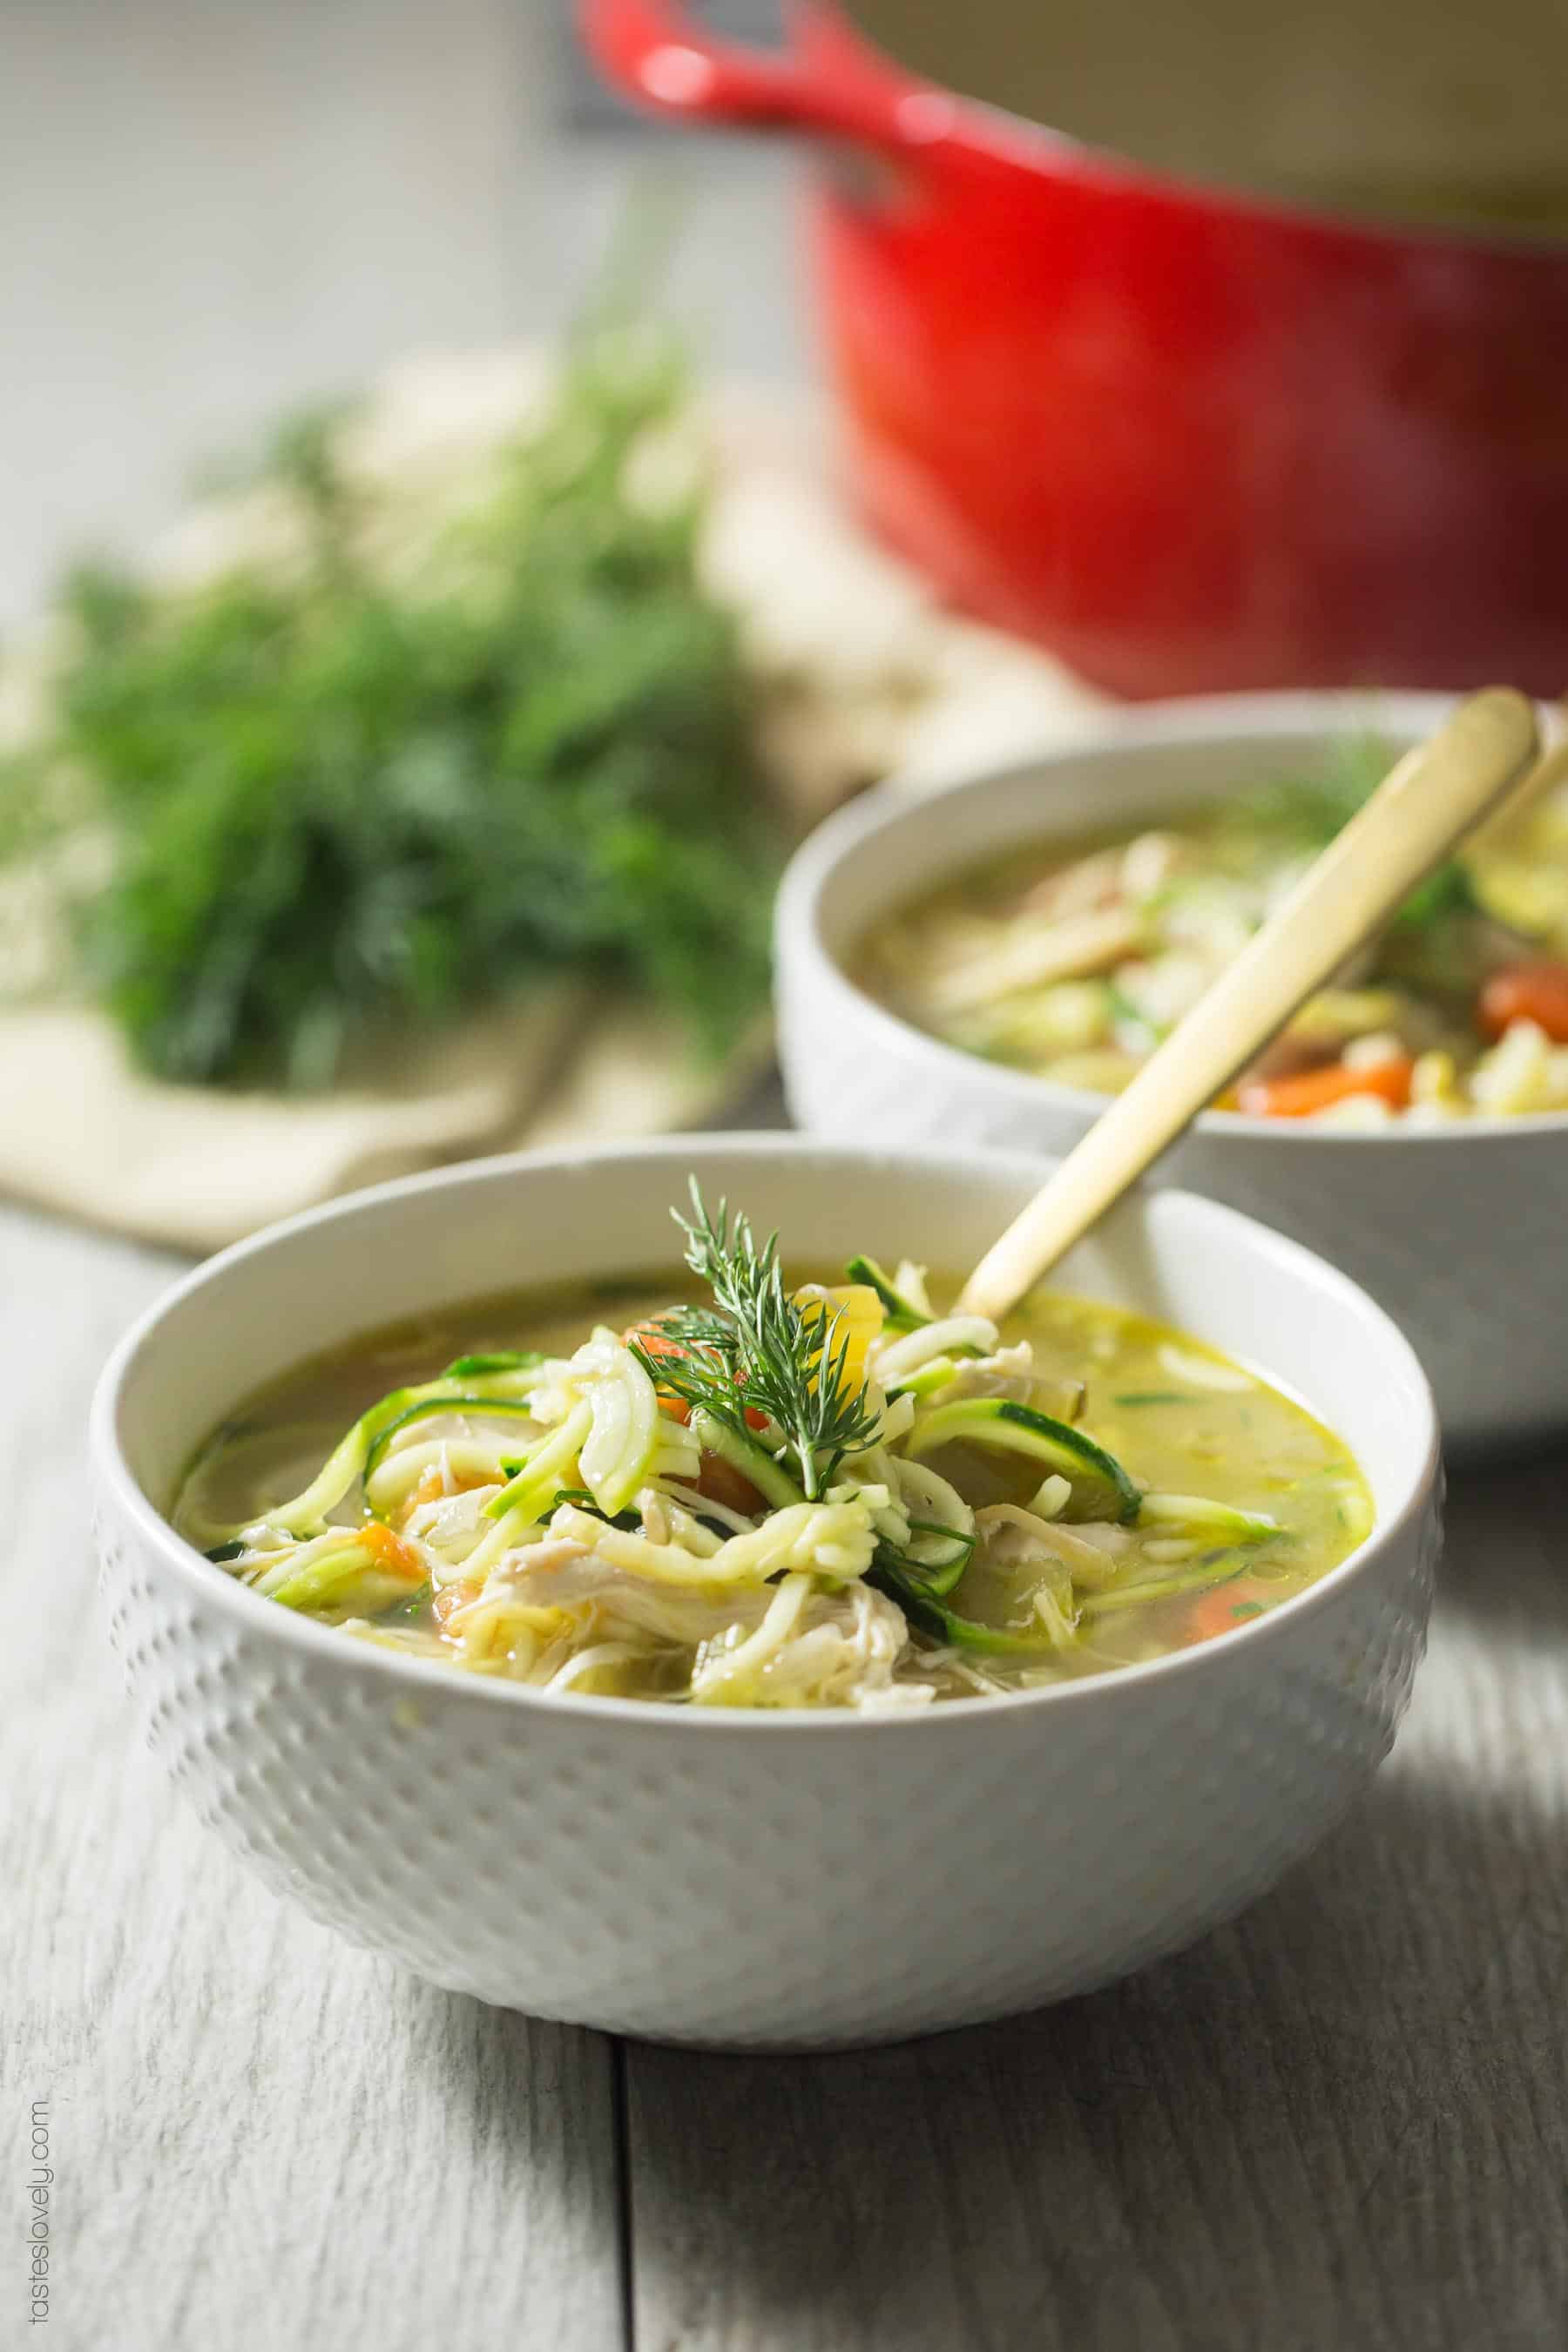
{"x": 860, "y": 674}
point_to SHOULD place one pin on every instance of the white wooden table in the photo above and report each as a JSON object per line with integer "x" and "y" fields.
{"x": 1341, "y": 2123}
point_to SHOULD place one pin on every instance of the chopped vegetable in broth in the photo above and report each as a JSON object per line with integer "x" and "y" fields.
{"x": 729, "y": 1488}
{"x": 1075, "y": 964}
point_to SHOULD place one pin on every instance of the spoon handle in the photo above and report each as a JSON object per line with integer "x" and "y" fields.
{"x": 1423, "y": 806}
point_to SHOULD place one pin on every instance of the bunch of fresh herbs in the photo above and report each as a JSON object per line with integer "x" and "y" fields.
{"x": 339, "y": 797}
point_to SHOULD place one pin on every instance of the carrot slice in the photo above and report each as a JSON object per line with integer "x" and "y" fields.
{"x": 433, "y": 1486}
{"x": 657, "y": 1343}
{"x": 653, "y": 1340}
{"x": 453, "y": 1597}
{"x": 389, "y": 1550}
{"x": 718, "y": 1480}
{"x": 430, "y": 1488}
{"x": 1534, "y": 991}
{"x": 1221, "y": 1610}
{"x": 1311, "y": 1090}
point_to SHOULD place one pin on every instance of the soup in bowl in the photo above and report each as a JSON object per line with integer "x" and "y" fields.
{"x": 994, "y": 960}
{"x": 778, "y": 1491}
{"x": 1075, "y": 960}
{"x": 1089, "y": 1627}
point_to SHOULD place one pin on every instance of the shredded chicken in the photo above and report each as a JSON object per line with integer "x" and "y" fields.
{"x": 777, "y": 1525}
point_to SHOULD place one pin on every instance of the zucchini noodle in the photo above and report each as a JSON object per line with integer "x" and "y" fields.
{"x": 826, "y": 1496}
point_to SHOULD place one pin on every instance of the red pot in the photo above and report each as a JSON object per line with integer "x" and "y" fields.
{"x": 1189, "y": 438}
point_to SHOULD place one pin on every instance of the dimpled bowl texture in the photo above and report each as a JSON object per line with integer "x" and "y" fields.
{"x": 754, "y": 1880}
{"x": 1458, "y": 1232}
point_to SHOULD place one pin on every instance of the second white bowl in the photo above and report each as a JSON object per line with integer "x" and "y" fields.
{"x": 1456, "y": 1232}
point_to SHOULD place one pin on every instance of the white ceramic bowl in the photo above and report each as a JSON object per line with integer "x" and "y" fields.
{"x": 734, "y": 1879}
{"x": 1457, "y": 1231}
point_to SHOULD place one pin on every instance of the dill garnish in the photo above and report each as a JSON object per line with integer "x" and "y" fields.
{"x": 1310, "y": 811}
{"x": 759, "y": 1350}
{"x": 414, "y": 760}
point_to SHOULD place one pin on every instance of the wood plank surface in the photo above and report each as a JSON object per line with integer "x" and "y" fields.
{"x": 1341, "y": 2121}
{"x": 261, "y": 2139}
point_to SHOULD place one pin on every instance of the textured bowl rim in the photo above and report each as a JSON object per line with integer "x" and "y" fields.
{"x": 1221, "y": 719}
{"x": 119, "y": 1487}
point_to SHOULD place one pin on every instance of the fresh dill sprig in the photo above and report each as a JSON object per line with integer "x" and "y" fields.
{"x": 429, "y": 755}
{"x": 757, "y": 1349}
{"x": 1310, "y": 811}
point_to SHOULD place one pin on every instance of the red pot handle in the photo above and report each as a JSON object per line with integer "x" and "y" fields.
{"x": 657, "y": 54}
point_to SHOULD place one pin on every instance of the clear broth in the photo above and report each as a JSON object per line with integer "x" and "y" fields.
{"x": 1152, "y": 1399}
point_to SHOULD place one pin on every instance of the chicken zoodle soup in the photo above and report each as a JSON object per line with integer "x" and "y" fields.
{"x": 829, "y": 1494}
{"x": 1076, "y": 965}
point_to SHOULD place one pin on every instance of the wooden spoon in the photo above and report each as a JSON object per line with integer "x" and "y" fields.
{"x": 1549, "y": 772}
{"x": 1426, "y": 804}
